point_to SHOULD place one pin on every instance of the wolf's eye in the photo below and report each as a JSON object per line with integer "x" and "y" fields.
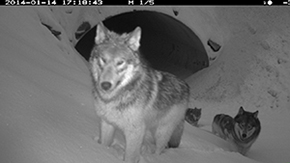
{"x": 249, "y": 127}
{"x": 120, "y": 62}
{"x": 242, "y": 125}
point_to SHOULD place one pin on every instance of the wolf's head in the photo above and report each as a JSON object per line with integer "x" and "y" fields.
{"x": 192, "y": 116}
{"x": 115, "y": 59}
{"x": 195, "y": 113}
{"x": 247, "y": 124}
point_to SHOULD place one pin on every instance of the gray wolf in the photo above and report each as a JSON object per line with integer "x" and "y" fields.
{"x": 242, "y": 130}
{"x": 132, "y": 97}
{"x": 222, "y": 125}
{"x": 193, "y": 115}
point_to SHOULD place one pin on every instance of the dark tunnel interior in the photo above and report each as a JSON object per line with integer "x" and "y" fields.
{"x": 166, "y": 43}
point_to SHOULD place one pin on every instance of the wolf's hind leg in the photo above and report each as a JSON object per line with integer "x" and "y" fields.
{"x": 106, "y": 134}
{"x": 176, "y": 135}
{"x": 162, "y": 136}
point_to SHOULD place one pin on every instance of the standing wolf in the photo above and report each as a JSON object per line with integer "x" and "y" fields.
{"x": 242, "y": 131}
{"x": 131, "y": 96}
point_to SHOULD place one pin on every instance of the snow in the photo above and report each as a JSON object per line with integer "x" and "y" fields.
{"x": 46, "y": 106}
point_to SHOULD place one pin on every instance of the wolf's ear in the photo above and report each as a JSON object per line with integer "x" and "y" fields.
{"x": 256, "y": 114}
{"x": 100, "y": 33}
{"x": 241, "y": 110}
{"x": 134, "y": 39}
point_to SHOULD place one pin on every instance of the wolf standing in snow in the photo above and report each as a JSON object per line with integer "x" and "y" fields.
{"x": 242, "y": 131}
{"x": 133, "y": 97}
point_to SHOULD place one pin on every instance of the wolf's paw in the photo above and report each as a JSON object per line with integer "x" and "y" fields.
{"x": 97, "y": 139}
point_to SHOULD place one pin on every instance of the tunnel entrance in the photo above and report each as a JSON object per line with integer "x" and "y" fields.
{"x": 166, "y": 43}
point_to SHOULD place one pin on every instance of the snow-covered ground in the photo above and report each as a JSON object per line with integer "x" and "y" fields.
{"x": 46, "y": 106}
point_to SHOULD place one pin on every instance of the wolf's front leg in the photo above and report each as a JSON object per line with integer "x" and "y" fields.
{"x": 134, "y": 139}
{"x": 106, "y": 133}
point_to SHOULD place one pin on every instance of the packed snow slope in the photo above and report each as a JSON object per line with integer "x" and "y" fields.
{"x": 46, "y": 106}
